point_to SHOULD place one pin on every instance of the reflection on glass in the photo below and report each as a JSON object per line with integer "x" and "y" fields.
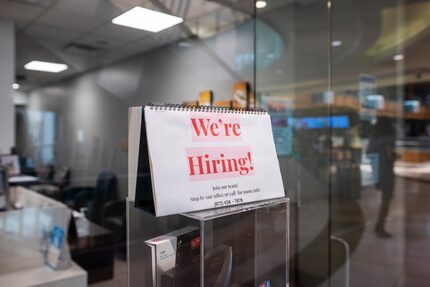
{"x": 347, "y": 85}
{"x": 377, "y": 74}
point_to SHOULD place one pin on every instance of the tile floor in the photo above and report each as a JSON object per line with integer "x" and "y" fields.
{"x": 400, "y": 261}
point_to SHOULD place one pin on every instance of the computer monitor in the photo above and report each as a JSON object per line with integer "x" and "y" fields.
{"x": 335, "y": 122}
{"x": 11, "y": 163}
{"x": 339, "y": 122}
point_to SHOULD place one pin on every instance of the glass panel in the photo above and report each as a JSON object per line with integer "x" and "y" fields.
{"x": 347, "y": 85}
{"x": 292, "y": 80}
{"x": 72, "y": 126}
{"x": 379, "y": 164}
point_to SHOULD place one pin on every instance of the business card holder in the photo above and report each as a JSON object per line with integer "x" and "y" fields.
{"x": 242, "y": 245}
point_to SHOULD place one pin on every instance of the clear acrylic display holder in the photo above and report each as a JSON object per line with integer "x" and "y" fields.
{"x": 25, "y": 232}
{"x": 243, "y": 245}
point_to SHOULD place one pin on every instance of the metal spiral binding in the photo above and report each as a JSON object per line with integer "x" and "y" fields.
{"x": 209, "y": 109}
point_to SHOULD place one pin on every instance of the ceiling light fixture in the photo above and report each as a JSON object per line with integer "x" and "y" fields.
{"x": 15, "y": 86}
{"x": 398, "y": 57}
{"x": 45, "y": 66}
{"x": 146, "y": 19}
{"x": 260, "y": 4}
{"x": 336, "y": 43}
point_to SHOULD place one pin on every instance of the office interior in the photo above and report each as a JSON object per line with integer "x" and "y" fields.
{"x": 347, "y": 85}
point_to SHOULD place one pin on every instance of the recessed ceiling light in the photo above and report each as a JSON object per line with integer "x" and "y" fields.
{"x": 336, "y": 43}
{"x": 146, "y": 19}
{"x": 45, "y": 66}
{"x": 398, "y": 57}
{"x": 260, "y": 4}
{"x": 15, "y": 86}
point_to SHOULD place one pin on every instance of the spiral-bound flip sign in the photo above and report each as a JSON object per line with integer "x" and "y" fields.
{"x": 184, "y": 159}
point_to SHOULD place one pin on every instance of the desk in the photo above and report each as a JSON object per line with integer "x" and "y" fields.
{"x": 23, "y": 180}
{"x": 27, "y": 198}
{"x": 43, "y": 276}
{"x": 22, "y": 263}
{"x": 93, "y": 249}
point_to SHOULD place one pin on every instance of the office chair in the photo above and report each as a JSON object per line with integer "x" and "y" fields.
{"x": 93, "y": 198}
{"x": 113, "y": 217}
{"x": 53, "y": 188}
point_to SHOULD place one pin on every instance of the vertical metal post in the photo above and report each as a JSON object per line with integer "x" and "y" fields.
{"x": 347, "y": 257}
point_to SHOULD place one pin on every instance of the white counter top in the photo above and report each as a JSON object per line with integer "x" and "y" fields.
{"x": 44, "y": 276}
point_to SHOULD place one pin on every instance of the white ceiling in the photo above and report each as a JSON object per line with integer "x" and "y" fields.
{"x": 46, "y": 27}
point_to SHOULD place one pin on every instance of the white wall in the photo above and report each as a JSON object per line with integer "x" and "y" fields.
{"x": 7, "y": 77}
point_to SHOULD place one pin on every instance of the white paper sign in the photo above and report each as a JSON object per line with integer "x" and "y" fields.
{"x": 202, "y": 160}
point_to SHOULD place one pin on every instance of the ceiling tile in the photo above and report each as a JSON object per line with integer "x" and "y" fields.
{"x": 19, "y": 12}
{"x": 99, "y": 40}
{"x": 100, "y": 9}
{"x": 23, "y": 40}
{"x": 70, "y": 21}
{"x": 121, "y": 32}
{"x": 199, "y": 8}
{"x": 49, "y": 36}
{"x": 125, "y": 5}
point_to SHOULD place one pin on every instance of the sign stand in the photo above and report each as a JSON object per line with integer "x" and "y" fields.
{"x": 243, "y": 245}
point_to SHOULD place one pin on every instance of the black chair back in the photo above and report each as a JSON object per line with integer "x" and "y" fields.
{"x": 106, "y": 190}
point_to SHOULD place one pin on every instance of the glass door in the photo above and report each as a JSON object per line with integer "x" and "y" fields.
{"x": 292, "y": 83}
{"x": 380, "y": 175}
{"x": 347, "y": 84}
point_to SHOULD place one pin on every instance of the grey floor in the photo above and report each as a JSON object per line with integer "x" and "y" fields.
{"x": 400, "y": 261}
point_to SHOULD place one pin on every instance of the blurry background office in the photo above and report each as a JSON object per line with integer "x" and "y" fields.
{"x": 347, "y": 84}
